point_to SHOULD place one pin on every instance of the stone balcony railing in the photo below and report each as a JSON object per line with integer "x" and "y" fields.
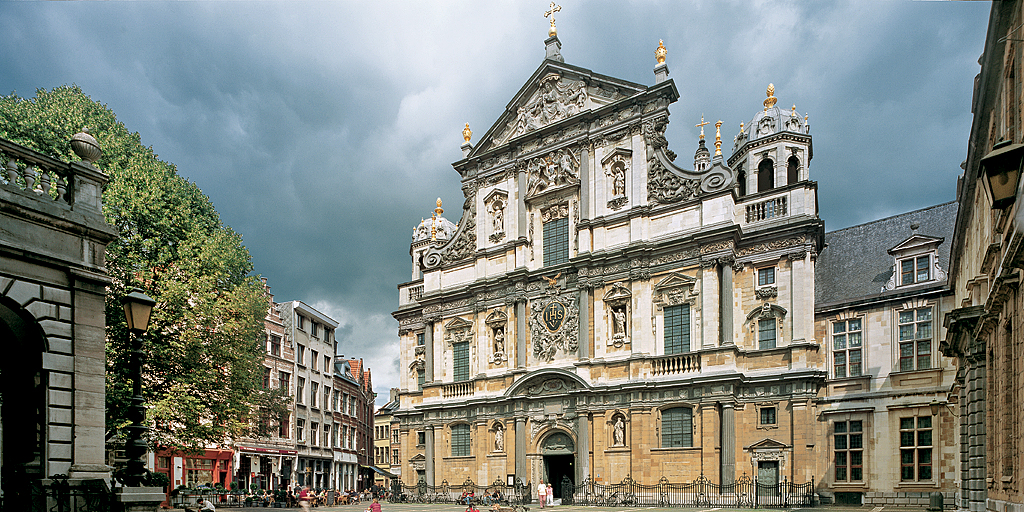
{"x": 416, "y": 292}
{"x": 767, "y": 209}
{"x": 676, "y": 364}
{"x": 74, "y": 186}
{"x": 458, "y": 389}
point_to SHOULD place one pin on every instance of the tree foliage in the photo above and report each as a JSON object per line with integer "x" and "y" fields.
{"x": 202, "y": 375}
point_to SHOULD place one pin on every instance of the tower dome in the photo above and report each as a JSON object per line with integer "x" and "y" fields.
{"x": 772, "y": 120}
{"x": 434, "y": 228}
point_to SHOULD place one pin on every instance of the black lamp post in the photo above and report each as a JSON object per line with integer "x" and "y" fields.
{"x": 137, "y": 308}
{"x": 1002, "y": 168}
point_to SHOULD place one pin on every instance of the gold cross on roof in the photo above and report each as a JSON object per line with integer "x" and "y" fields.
{"x": 551, "y": 12}
{"x": 701, "y": 125}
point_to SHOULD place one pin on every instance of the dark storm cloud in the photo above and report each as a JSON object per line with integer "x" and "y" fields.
{"x": 324, "y": 131}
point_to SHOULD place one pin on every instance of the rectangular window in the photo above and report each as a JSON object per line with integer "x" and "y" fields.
{"x": 300, "y": 386}
{"x": 846, "y": 348}
{"x": 420, "y": 341}
{"x": 334, "y": 436}
{"x": 314, "y": 428}
{"x": 421, "y": 438}
{"x": 300, "y": 429}
{"x": 460, "y": 441}
{"x": 394, "y": 455}
{"x": 766, "y": 333}
{"x": 766, "y": 276}
{"x": 677, "y": 329}
{"x": 301, "y": 322}
{"x": 556, "y": 241}
{"x": 421, "y": 377}
{"x": 327, "y": 364}
{"x": 334, "y": 403}
{"x": 284, "y": 380}
{"x": 915, "y": 270}
{"x": 327, "y": 397}
{"x": 314, "y": 329}
{"x": 460, "y": 361}
{"x": 313, "y": 356}
{"x": 327, "y": 435}
{"x": 916, "y": 449}
{"x": 677, "y": 427}
{"x": 275, "y": 345}
{"x": 300, "y": 354}
{"x": 768, "y": 416}
{"x": 314, "y": 387}
{"x": 915, "y": 339}
{"x": 849, "y": 451}
{"x": 266, "y": 378}
{"x": 282, "y": 426}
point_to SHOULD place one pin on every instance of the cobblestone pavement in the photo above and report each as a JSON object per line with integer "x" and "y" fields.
{"x": 423, "y": 507}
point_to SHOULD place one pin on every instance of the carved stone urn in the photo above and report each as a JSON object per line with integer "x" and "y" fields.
{"x": 86, "y": 147}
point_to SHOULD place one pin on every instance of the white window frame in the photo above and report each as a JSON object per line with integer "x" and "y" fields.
{"x": 757, "y": 276}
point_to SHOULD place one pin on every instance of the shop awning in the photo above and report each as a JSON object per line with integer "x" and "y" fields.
{"x": 381, "y": 471}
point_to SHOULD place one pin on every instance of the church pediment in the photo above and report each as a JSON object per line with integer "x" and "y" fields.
{"x": 457, "y": 324}
{"x": 917, "y": 243}
{"x": 674, "y": 280}
{"x": 555, "y": 92}
{"x": 766, "y": 444}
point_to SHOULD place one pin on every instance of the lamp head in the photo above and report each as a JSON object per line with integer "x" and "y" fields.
{"x": 137, "y": 309}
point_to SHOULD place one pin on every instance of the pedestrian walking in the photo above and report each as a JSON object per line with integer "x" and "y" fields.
{"x": 304, "y": 498}
{"x": 542, "y": 494}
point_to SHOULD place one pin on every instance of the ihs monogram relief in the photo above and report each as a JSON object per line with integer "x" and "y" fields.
{"x": 554, "y": 323}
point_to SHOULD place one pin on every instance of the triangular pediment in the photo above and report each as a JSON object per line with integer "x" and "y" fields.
{"x": 417, "y": 458}
{"x": 675, "y": 280}
{"x": 917, "y": 243}
{"x": 767, "y": 444}
{"x": 458, "y": 323}
{"x": 555, "y": 92}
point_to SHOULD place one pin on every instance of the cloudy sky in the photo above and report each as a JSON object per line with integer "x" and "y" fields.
{"x": 324, "y": 131}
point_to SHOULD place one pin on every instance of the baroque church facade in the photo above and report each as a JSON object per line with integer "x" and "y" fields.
{"x": 601, "y": 311}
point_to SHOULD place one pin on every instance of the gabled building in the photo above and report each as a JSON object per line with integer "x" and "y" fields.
{"x": 601, "y": 310}
{"x": 881, "y": 292}
{"x": 386, "y": 458}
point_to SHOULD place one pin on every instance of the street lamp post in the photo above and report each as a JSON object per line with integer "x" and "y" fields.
{"x": 137, "y": 309}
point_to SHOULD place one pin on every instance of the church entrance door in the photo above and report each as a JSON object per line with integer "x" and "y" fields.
{"x": 557, "y": 468}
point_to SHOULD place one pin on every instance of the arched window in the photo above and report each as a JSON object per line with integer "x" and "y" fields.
{"x": 677, "y": 427}
{"x": 793, "y": 170}
{"x": 765, "y": 175}
{"x": 741, "y": 179}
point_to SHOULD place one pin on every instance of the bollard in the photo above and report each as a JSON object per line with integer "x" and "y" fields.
{"x": 935, "y": 503}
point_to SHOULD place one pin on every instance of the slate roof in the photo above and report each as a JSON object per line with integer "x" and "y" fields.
{"x": 855, "y": 263}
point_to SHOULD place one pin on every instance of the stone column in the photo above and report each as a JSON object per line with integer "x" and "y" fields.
{"x": 725, "y": 303}
{"x": 584, "y": 327}
{"x": 728, "y": 440}
{"x": 523, "y": 228}
{"x": 521, "y": 468}
{"x": 709, "y": 304}
{"x": 582, "y": 447}
{"x": 428, "y": 464}
{"x": 976, "y": 430}
{"x": 521, "y": 334}
{"x": 428, "y": 349}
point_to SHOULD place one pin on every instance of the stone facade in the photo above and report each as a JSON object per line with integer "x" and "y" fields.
{"x": 52, "y": 317}
{"x": 984, "y": 329}
{"x": 602, "y": 313}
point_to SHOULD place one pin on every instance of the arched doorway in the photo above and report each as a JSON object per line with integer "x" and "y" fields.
{"x": 559, "y": 454}
{"x": 22, "y": 406}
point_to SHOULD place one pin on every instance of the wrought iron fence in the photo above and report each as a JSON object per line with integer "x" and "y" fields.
{"x": 702, "y": 492}
{"x": 421, "y": 492}
{"x": 58, "y": 495}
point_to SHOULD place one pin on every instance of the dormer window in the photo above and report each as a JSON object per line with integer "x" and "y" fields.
{"x": 915, "y": 270}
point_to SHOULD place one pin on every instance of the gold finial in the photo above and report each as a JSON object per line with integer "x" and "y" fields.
{"x": 741, "y": 127}
{"x": 661, "y": 52}
{"x": 718, "y": 138}
{"x": 433, "y": 227}
{"x": 701, "y": 125}
{"x": 552, "y": 32}
{"x": 793, "y": 112}
{"x": 468, "y": 134}
{"x": 438, "y": 210}
{"x": 770, "y": 101}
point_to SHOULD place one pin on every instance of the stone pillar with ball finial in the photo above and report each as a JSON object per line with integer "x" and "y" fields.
{"x": 660, "y": 69}
{"x": 466, "y": 146}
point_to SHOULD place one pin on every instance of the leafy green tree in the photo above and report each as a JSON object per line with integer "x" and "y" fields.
{"x": 202, "y": 375}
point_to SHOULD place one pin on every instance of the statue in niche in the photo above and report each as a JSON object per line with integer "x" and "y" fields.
{"x": 499, "y": 340}
{"x": 619, "y": 431}
{"x": 619, "y": 315}
{"x": 619, "y": 182}
{"x": 499, "y": 438}
{"x": 498, "y": 216}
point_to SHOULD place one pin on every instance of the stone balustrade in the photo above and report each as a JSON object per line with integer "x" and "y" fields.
{"x": 74, "y": 186}
{"x": 458, "y": 389}
{"x": 768, "y": 209}
{"x": 676, "y": 363}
